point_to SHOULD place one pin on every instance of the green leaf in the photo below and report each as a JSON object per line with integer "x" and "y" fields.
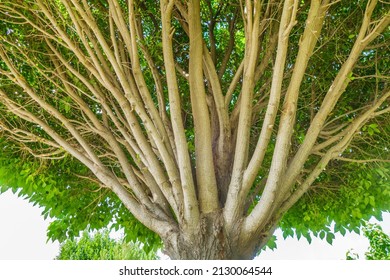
{"x": 329, "y": 238}
{"x": 272, "y": 243}
{"x": 299, "y": 234}
{"x": 308, "y": 237}
{"x": 350, "y": 76}
{"x": 372, "y": 200}
{"x": 356, "y": 230}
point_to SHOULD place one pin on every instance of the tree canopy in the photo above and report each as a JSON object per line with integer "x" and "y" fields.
{"x": 199, "y": 125}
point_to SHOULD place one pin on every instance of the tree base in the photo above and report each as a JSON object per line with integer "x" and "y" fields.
{"x": 210, "y": 242}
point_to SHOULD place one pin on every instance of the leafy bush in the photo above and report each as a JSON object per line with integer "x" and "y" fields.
{"x": 379, "y": 244}
{"x": 100, "y": 246}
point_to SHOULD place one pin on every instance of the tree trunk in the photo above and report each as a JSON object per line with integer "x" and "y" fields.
{"x": 210, "y": 242}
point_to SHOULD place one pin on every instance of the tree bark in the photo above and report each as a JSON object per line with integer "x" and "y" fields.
{"x": 211, "y": 242}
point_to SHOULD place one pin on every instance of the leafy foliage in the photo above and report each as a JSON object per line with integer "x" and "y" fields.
{"x": 329, "y": 208}
{"x": 379, "y": 244}
{"x": 99, "y": 246}
{"x": 74, "y": 203}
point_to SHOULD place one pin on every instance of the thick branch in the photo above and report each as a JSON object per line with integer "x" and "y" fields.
{"x": 207, "y": 185}
{"x": 191, "y": 208}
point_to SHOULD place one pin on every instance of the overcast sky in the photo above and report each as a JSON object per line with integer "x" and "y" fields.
{"x": 23, "y": 237}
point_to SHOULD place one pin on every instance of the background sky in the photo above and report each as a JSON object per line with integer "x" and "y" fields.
{"x": 23, "y": 237}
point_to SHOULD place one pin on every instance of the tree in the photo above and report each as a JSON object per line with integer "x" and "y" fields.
{"x": 203, "y": 124}
{"x": 100, "y": 246}
{"x": 379, "y": 244}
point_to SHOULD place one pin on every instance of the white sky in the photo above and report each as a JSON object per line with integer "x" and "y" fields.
{"x": 23, "y": 237}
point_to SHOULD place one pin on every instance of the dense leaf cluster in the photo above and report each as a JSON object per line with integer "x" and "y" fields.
{"x": 379, "y": 244}
{"x": 100, "y": 246}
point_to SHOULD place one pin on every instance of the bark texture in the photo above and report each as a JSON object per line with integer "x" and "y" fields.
{"x": 211, "y": 242}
